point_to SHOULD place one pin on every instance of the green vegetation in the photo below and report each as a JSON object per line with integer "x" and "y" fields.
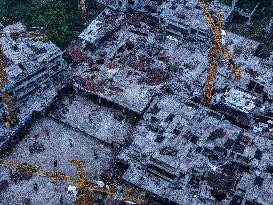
{"x": 227, "y": 2}
{"x": 59, "y": 17}
{"x": 260, "y": 20}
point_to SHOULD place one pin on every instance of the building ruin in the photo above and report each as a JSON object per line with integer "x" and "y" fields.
{"x": 143, "y": 73}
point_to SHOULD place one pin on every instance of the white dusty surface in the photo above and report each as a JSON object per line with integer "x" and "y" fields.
{"x": 57, "y": 146}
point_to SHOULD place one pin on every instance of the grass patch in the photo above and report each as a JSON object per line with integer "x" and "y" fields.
{"x": 260, "y": 20}
{"x": 59, "y": 17}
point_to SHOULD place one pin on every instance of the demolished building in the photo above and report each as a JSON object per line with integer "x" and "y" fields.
{"x": 181, "y": 151}
{"x": 152, "y": 65}
{"x": 35, "y": 69}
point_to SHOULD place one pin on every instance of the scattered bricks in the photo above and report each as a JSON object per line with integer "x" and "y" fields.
{"x": 111, "y": 65}
{"x": 110, "y": 18}
{"x": 93, "y": 86}
{"x": 115, "y": 88}
{"x": 245, "y": 139}
{"x": 100, "y": 61}
{"x": 188, "y": 134}
{"x": 141, "y": 79}
{"x": 94, "y": 66}
{"x": 118, "y": 116}
{"x": 163, "y": 56}
{"x": 194, "y": 182}
{"x": 77, "y": 54}
{"x": 102, "y": 53}
{"x": 176, "y": 132}
{"x": 142, "y": 66}
{"x": 3, "y": 185}
{"x": 114, "y": 37}
{"x": 35, "y": 136}
{"x": 79, "y": 80}
{"x": 130, "y": 72}
{"x": 156, "y": 77}
{"x": 198, "y": 149}
{"x": 143, "y": 57}
{"x": 154, "y": 119}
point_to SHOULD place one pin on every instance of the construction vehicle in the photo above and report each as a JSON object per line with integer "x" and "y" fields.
{"x": 5, "y": 86}
{"x": 85, "y": 188}
{"x": 82, "y": 8}
{"x": 215, "y": 50}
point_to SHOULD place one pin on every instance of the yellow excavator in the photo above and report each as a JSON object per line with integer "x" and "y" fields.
{"x": 85, "y": 188}
{"x": 215, "y": 49}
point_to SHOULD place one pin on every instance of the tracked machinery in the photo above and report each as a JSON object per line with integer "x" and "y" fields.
{"x": 85, "y": 188}
{"x": 213, "y": 55}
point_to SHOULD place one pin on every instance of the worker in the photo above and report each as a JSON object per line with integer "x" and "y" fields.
{"x": 70, "y": 142}
{"x": 55, "y": 163}
{"x": 96, "y": 154}
{"x": 112, "y": 145}
{"x": 61, "y": 199}
{"x": 35, "y": 186}
{"x": 30, "y": 149}
{"x": 46, "y": 131}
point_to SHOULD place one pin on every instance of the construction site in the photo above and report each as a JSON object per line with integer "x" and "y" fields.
{"x": 154, "y": 103}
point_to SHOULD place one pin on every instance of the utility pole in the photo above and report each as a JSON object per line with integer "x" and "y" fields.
{"x": 233, "y": 4}
{"x": 250, "y": 15}
{"x": 270, "y": 24}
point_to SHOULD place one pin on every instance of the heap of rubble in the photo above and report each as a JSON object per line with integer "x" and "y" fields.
{"x": 151, "y": 64}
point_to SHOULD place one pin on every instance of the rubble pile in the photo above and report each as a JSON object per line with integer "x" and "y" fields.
{"x": 130, "y": 99}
